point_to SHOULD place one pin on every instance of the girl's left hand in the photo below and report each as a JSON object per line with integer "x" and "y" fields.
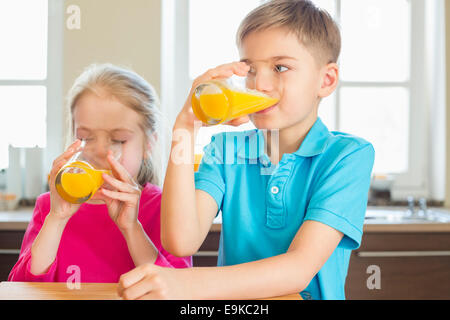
{"x": 123, "y": 202}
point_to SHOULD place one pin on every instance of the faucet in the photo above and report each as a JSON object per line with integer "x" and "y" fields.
{"x": 411, "y": 211}
{"x": 423, "y": 210}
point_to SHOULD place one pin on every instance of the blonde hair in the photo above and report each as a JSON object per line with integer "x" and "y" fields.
{"x": 314, "y": 27}
{"x": 134, "y": 92}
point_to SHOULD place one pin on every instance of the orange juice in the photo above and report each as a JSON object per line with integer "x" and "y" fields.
{"x": 78, "y": 181}
{"x": 214, "y": 102}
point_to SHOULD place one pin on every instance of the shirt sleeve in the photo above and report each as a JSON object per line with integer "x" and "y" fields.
{"x": 165, "y": 259}
{"x": 21, "y": 270}
{"x": 210, "y": 175}
{"x": 340, "y": 198}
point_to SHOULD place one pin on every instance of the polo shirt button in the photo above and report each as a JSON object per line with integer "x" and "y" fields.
{"x": 274, "y": 190}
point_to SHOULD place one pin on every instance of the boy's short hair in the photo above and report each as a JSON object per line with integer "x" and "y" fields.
{"x": 313, "y": 26}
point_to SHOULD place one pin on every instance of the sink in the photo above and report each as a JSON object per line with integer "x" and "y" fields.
{"x": 381, "y": 215}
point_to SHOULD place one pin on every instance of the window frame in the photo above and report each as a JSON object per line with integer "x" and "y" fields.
{"x": 418, "y": 181}
{"x": 53, "y": 84}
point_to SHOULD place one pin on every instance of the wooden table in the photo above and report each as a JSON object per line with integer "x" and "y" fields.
{"x": 60, "y": 291}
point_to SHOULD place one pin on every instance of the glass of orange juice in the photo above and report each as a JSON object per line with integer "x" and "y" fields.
{"x": 79, "y": 179}
{"x": 219, "y": 101}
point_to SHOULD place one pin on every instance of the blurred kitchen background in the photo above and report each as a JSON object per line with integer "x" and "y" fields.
{"x": 393, "y": 92}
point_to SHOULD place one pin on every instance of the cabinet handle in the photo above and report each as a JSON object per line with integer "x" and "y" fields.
{"x": 394, "y": 254}
{"x": 9, "y": 251}
{"x": 206, "y": 254}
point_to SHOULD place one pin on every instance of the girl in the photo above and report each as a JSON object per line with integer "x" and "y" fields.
{"x": 119, "y": 228}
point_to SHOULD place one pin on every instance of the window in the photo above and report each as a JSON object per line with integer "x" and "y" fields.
{"x": 23, "y": 71}
{"x": 383, "y": 63}
{"x": 30, "y": 77}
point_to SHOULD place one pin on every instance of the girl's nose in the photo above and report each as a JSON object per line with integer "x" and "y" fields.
{"x": 99, "y": 150}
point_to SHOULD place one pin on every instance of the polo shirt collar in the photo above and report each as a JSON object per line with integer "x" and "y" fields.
{"x": 314, "y": 143}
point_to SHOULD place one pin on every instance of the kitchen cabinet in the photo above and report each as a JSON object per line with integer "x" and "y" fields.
{"x": 411, "y": 265}
{"x": 208, "y": 252}
{"x": 10, "y": 242}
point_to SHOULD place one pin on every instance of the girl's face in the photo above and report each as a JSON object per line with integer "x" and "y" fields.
{"x": 104, "y": 121}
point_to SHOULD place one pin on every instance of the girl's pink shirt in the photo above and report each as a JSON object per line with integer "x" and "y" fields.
{"x": 92, "y": 249}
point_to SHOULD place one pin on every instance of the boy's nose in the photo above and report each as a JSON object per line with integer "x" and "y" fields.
{"x": 264, "y": 82}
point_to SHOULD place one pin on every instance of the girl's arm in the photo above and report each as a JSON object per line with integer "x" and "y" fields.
{"x": 22, "y": 269}
{"x": 140, "y": 246}
{"x": 284, "y": 274}
{"x": 123, "y": 207}
{"x": 45, "y": 246}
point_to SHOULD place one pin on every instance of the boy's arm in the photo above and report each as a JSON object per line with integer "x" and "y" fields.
{"x": 287, "y": 273}
{"x": 187, "y": 213}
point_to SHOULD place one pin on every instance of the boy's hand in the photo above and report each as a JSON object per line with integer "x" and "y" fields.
{"x": 149, "y": 281}
{"x": 186, "y": 117}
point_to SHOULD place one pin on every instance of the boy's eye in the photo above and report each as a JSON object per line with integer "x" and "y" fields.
{"x": 119, "y": 141}
{"x": 280, "y": 68}
{"x": 252, "y": 71}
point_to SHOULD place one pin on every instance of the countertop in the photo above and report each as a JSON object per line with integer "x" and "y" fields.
{"x": 18, "y": 221}
{"x": 86, "y": 291}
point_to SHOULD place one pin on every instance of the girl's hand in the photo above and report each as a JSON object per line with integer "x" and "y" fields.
{"x": 123, "y": 202}
{"x": 186, "y": 117}
{"x": 59, "y": 208}
{"x": 149, "y": 281}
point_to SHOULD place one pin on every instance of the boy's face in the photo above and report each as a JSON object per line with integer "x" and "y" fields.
{"x": 283, "y": 68}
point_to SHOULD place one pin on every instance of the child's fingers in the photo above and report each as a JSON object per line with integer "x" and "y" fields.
{"x": 119, "y": 185}
{"x": 71, "y": 150}
{"x": 121, "y": 172}
{"x": 121, "y": 196}
{"x": 228, "y": 69}
{"x": 57, "y": 165}
{"x": 128, "y": 279}
{"x": 223, "y": 71}
{"x": 100, "y": 196}
{"x": 139, "y": 289}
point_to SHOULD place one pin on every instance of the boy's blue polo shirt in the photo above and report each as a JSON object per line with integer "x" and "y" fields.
{"x": 263, "y": 205}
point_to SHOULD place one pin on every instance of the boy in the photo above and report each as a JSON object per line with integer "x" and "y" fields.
{"x": 289, "y": 221}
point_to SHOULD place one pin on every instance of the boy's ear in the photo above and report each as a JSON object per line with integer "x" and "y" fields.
{"x": 329, "y": 79}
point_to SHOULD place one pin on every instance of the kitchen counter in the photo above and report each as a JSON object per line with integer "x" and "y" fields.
{"x": 386, "y": 225}
{"x": 86, "y": 291}
{"x": 16, "y": 220}
{"x": 19, "y": 219}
